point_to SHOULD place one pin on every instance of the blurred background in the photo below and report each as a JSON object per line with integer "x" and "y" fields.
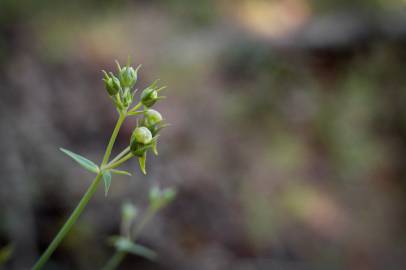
{"x": 287, "y": 144}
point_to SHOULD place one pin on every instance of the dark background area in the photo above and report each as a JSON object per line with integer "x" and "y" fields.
{"x": 287, "y": 144}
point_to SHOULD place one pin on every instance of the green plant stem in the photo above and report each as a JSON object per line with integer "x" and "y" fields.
{"x": 83, "y": 202}
{"x": 125, "y": 151}
{"x": 147, "y": 217}
{"x": 119, "y": 162}
{"x": 136, "y": 107}
{"x": 113, "y": 138}
{"x": 115, "y": 260}
{"x": 69, "y": 223}
{"x": 119, "y": 255}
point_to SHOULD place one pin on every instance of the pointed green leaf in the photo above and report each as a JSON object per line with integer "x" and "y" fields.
{"x": 143, "y": 252}
{"x": 141, "y": 161}
{"x": 120, "y": 172}
{"x": 161, "y": 88}
{"x": 107, "y": 181}
{"x": 84, "y": 162}
{"x": 154, "y": 148}
{"x": 124, "y": 244}
{"x": 118, "y": 65}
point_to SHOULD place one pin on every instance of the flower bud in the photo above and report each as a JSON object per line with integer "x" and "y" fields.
{"x": 116, "y": 84}
{"x": 128, "y": 212}
{"x": 142, "y": 135}
{"x": 111, "y": 83}
{"x": 149, "y": 97}
{"x": 158, "y": 197}
{"x": 154, "y": 194}
{"x": 110, "y": 87}
{"x": 152, "y": 118}
{"x": 141, "y": 140}
{"x": 128, "y": 76}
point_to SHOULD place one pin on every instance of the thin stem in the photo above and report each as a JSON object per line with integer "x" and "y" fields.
{"x": 119, "y": 255}
{"x": 147, "y": 217}
{"x": 119, "y": 162}
{"x": 115, "y": 260}
{"x": 125, "y": 151}
{"x": 83, "y": 202}
{"x": 136, "y": 107}
{"x": 113, "y": 138}
{"x": 69, "y": 223}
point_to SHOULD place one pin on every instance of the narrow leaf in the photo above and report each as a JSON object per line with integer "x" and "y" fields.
{"x": 161, "y": 88}
{"x": 141, "y": 161}
{"x": 154, "y": 148}
{"x": 120, "y": 172}
{"x": 126, "y": 245}
{"x": 84, "y": 162}
{"x": 107, "y": 181}
{"x": 143, "y": 252}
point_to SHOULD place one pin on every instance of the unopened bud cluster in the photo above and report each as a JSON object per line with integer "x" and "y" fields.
{"x": 120, "y": 88}
{"x": 158, "y": 197}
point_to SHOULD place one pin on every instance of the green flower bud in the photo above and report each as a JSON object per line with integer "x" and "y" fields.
{"x": 111, "y": 83}
{"x": 142, "y": 135}
{"x": 152, "y": 118}
{"x": 128, "y": 76}
{"x": 110, "y": 87}
{"x": 154, "y": 194}
{"x": 128, "y": 212}
{"x": 116, "y": 84}
{"x": 141, "y": 140}
{"x": 149, "y": 97}
{"x": 158, "y": 197}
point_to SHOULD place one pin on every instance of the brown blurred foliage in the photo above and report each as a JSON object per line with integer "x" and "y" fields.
{"x": 287, "y": 144}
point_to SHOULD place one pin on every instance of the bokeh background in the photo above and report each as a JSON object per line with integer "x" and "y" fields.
{"x": 287, "y": 144}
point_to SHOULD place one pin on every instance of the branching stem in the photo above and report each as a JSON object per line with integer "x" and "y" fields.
{"x": 83, "y": 202}
{"x": 119, "y": 255}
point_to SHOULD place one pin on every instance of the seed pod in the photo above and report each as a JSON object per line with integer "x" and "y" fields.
{"x": 152, "y": 118}
{"x": 141, "y": 135}
{"x": 149, "y": 97}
